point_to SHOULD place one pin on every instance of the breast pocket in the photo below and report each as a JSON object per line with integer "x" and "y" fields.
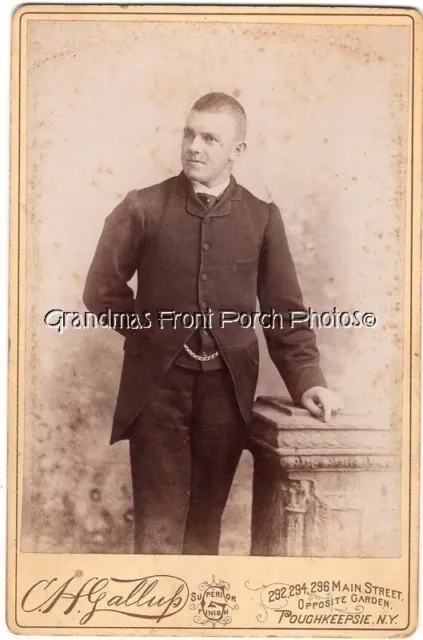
{"x": 246, "y": 266}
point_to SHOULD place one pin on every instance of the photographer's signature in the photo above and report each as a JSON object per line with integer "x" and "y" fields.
{"x": 150, "y": 597}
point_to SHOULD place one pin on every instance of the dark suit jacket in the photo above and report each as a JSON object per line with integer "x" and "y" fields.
{"x": 188, "y": 261}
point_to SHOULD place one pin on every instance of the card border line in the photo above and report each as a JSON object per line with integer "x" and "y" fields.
{"x": 259, "y": 14}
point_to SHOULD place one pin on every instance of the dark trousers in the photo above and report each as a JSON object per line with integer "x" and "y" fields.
{"x": 185, "y": 448}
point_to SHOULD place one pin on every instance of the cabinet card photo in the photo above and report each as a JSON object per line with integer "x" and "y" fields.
{"x": 214, "y": 320}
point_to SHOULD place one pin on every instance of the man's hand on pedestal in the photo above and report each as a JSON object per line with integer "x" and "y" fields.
{"x": 321, "y": 402}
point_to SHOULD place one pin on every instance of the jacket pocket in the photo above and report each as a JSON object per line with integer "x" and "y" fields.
{"x": 246, "y": 266}
{"x": 135, "y": 343}
{"x": 254, "y": 352}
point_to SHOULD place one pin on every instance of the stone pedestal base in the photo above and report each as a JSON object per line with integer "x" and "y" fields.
{"x": 323, "y": 489}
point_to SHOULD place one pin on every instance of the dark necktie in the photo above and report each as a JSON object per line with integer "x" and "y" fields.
{"x": 208, "y": 200}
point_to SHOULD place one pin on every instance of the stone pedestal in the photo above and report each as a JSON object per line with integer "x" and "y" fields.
{"x": 323, "y": 489}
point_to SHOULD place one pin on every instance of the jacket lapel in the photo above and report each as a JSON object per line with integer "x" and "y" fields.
{"x": 195, "y": 207}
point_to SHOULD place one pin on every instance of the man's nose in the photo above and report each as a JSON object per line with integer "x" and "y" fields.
{"x": 195, "y": 144}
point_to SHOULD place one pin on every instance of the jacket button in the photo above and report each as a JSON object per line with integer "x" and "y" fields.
{"x": 206, "y": 246}
{"x": 203, "y": 305}
{"x": 204, "y": 276}
{"x": 206, "y": 220}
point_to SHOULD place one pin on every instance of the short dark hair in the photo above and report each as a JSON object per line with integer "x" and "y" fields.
{"x": 217, "y": 101}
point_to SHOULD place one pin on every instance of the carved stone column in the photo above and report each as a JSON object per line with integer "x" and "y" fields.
{"x": 323, "y": 489}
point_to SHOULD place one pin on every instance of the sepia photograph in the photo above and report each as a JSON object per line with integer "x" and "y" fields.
{"x": 215, "y": 319}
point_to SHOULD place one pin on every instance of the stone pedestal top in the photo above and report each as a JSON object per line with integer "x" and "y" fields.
{"x": 296, "y": 439}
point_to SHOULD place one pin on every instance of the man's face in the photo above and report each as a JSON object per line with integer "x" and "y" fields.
{"x": 209, "y": 146}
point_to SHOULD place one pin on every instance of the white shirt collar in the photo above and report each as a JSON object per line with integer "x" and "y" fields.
{"x": 211, "y": 191}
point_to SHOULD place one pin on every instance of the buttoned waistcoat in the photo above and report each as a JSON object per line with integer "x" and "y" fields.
{"x": 188, "y": 260}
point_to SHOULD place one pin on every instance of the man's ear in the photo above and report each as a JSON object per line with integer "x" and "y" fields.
{"x": 239, "y": 150}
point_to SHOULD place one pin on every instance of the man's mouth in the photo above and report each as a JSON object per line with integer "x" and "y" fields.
{"x": 192, "y": 161}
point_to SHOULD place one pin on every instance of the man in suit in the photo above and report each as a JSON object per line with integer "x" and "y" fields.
{"x": 199, "y": 242}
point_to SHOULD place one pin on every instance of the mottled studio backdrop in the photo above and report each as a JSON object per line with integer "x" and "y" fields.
{"x": 327, "y": 141}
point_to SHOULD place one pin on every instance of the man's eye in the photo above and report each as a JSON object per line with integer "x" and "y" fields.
{"x": 188, "y": 135}
{"x": 208, "y": 138}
